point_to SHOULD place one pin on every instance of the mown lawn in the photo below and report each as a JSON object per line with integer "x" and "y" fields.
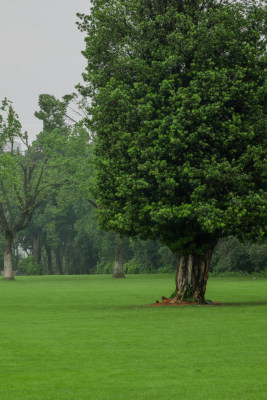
{"x": 86, "y": 337}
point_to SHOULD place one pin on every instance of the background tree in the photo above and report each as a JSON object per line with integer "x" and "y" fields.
{"x": 25, "y": 181}
{"x": 10, "y": 127}
{"x": 178, "y": 113}
{"x": 55, "y": 114}
{"x": 232, "y": 256}
{"x": 71, "y": 151}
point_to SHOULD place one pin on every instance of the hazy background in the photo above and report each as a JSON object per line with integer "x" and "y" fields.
{"x": 40, "y": 53}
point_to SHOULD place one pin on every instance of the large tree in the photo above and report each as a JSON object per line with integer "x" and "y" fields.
{"x": 177, "y": 92}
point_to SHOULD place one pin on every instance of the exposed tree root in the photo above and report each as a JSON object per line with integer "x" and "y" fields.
{"x": 181, "y": 302}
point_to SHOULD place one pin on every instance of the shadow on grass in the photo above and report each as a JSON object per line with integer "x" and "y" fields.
{"x": 231, "y": 304}
{"x": 245, "y": 303}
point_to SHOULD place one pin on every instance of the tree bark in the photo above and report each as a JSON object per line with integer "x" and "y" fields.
{"x": 8, "y": 269}
{"x": 16, "y": 258}
{"x": 192, "y": 275}
{"x": 36, "y": 251}
{"x": 59, "y": 262}
{"x": 118, "y": 262}
{"x": 49, "y": 260}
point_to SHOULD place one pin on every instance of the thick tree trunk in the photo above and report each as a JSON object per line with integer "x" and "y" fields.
{"x": 192, "y": 275}
{"x": 49, "y": 260}
{"x": 118, "y": 262}
{"x": 8, "y": 270}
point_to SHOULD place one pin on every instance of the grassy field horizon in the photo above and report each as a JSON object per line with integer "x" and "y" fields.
{"x": 89, "y": 337}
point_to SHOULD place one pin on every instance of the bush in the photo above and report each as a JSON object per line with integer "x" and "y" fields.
{"x": 232, "y": 256}
{"x": 131, "y": 267}
{"x": 104, "y": 268}
{"x": 258, "y": 256}
{"x": 28, "y": 266}
{"x": 167, "y": 269}
{"x": 238, "y": 274}
{"x": 167, "y": 258}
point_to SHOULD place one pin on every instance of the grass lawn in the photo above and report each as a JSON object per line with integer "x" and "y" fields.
{"x": 86, "y": 337}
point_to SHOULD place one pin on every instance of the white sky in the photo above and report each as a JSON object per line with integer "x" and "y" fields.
{"x": 40, "y": 48}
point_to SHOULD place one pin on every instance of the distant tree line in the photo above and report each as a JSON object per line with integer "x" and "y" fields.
{"x": 71, "y": 243}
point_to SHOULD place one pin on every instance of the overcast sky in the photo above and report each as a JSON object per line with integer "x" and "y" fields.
{"x": 40, "y": 53}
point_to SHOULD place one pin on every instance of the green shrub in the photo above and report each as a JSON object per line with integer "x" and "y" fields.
{"x": 166, "y": 269}
{"x": 232, "y": 256}
{"x": 238, "y": 274}
{"x": 131, "y": 267}
{"x": 28, "y": 266}
{"x": 167, "y": 258}
{"x": 104, "y": 268}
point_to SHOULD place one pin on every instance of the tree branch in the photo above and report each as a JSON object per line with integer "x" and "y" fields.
{"x": 93, "y": 203}
{"x": 18, "y": 196}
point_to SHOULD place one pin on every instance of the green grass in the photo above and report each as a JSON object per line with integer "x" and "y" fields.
{"x": 86, "y": 337}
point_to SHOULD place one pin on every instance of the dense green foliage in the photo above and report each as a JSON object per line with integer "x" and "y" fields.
{"x": 71, "y": 234}
{"x": 232, "y": 256}
{"x": 28, "y": 178}
{"x": 85, "y": 338}
{"x": 85, "y": 249}
{"x": 28, "y": 266}
{"x": 178, "y": 111}
{"x": 63, "y": 236}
